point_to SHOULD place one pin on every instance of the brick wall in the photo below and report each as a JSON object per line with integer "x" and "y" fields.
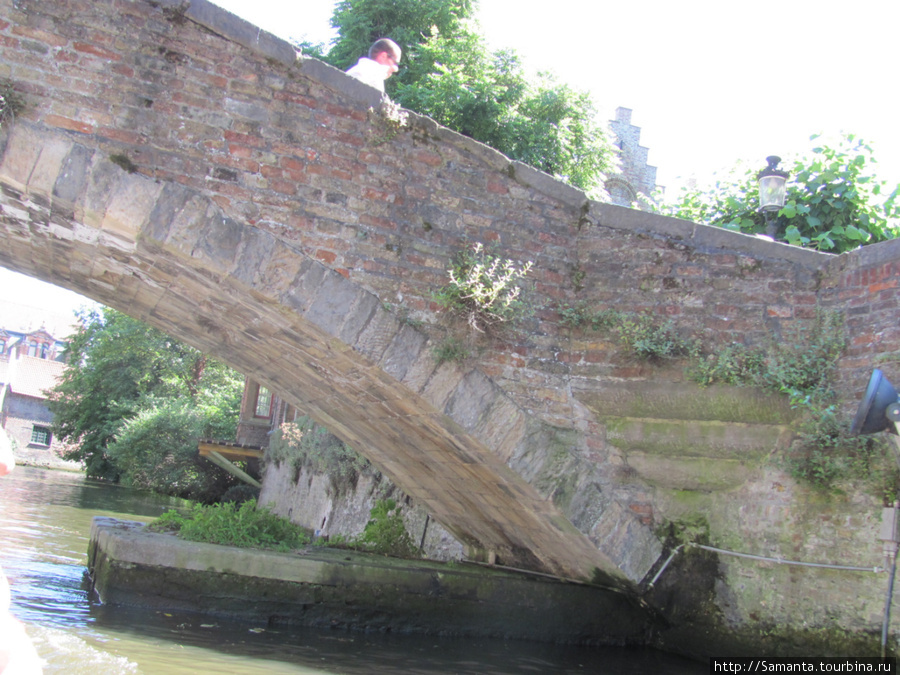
{"x": 863, "y": 285}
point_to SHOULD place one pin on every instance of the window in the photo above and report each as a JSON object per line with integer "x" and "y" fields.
{"x": 32, "y": 348}
{"x": 40, "y": 435}
{"x": 263, "y": 403}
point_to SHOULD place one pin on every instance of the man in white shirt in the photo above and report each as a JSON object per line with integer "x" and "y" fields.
{"x": 379, "y": 65}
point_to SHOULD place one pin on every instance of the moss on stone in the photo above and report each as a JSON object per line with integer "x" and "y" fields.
{"x": 123, "y": 162}
{"x": 689, "y": 438}
{"x": 687, "y": 401}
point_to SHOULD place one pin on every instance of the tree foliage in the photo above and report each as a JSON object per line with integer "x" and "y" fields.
{"x": 134, "y": 401}
{"x": 489, "y": 97}
{"x": 449, "y": 73}
{"x": 156, "y": 450}
{"x": 834, "y": 202}
{"x": 409, "y": 23}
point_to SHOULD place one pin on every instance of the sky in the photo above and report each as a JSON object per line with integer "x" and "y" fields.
{"x": 710, "y": 82}
{"x": 35, "y": 293}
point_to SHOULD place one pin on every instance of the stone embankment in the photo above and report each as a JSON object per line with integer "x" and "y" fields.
{"x": 45, "y": 459}
{"x": 323, "y": 587}
{"x": 348, "y": 589}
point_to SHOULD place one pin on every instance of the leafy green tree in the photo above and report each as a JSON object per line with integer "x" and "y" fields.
{"x": 488, "y": 96}
{"x": 127, "y": 382}
{"x": 834, "y": 201}
{"x": 409, "y": 23}
{"x": 156, "y": 450}
{"x": 449, "y": 73}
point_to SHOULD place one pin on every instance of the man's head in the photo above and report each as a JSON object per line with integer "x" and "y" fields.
{"x": 386, "y": 52}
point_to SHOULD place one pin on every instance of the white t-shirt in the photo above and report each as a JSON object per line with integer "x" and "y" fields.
{"x": 371, "y": 72}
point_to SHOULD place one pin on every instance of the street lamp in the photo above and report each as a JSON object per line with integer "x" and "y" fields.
{"x": 772, "y": 182}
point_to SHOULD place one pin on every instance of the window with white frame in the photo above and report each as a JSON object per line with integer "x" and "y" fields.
{"x": 263, "y": 403}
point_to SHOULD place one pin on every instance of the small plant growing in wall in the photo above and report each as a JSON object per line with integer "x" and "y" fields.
{"x": 582, "y": 316}
{"x": 123, "y": 162}
{"x": 826, "y": 453}
{"x": 451, "y": 349}
{"x": 11, "y": 102}
{"x": 386, "y": 533}
{"x": 389, "y": 120}
{"x": 800, "y": 364}
{"x": 484, "y": 289}
{"x": 640, "y": 334}
{"x": 303, "y": 443}
{"x": 650, "y": 340}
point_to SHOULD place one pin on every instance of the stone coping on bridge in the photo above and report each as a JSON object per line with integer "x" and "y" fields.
{"x": 317, "y": 586}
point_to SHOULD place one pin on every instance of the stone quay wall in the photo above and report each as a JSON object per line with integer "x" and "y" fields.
{"x": 335, "y": 588}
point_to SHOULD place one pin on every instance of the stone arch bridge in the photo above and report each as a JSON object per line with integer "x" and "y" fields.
{"x": 182, "y": 166}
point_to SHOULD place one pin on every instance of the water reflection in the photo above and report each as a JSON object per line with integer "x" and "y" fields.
{"x": 45, "y": 530}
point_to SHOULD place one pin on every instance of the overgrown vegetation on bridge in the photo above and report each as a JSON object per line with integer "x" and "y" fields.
{"x": 640, "y": 334}
{"x": 800, "y": 365}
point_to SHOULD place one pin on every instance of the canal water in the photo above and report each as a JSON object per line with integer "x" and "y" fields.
{"x": 44, "y": 530}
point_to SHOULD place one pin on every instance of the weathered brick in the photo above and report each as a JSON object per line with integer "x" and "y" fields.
{"x": 95, "y": 50}
{"x": 70, "y": 124}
